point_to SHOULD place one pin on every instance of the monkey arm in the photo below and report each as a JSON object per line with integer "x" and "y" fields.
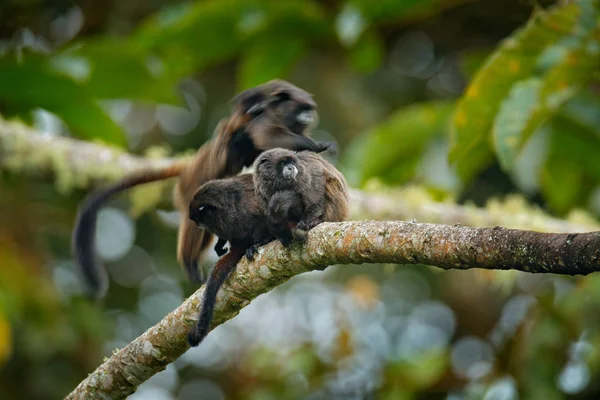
{"x": 283, "y": 211}
{"x": 280, "y": 136}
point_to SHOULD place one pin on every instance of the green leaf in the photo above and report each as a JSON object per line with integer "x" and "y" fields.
{"x": 533, "y": 101}
{"x": 392, "y": 149}
{"x": 368, "y": 53}
{"x": 269, "y": 59}
{"x": 516, "y": 59}
{"x": 584, "y": 111}
{"x": 214, "y": 31}
{"x": 572, "y": 169}
{"x": 120, "y": 69}
{"x": 31, "y": 84}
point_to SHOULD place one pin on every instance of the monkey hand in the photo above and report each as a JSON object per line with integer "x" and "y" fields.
{"x": 330, "y": 147}
{"x": 251, "y": 252}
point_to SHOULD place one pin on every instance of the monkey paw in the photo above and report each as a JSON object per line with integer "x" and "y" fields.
{"x": 331, "y": 147}
{"x": 251, "y": 252}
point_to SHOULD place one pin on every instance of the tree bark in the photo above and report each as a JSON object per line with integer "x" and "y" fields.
{"x": 351, "y": 242}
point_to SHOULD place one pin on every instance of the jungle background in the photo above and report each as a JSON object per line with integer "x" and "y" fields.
{"x": 488, "y": 103}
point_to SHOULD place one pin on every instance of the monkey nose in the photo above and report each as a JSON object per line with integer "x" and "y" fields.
{"x": 305, "y": 117}
{"x": 290, "y": 171}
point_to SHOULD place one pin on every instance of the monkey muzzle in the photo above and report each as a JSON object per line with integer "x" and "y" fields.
{"x": 306, "y": 117}
{"x": 289, "y": 171}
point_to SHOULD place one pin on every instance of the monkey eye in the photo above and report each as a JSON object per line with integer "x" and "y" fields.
{"x": 205, "y": 207}
{"x": 283, "y": 96}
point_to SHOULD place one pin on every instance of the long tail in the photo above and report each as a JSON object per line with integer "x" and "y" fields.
{"x": 83, "y": 244}
{"x": 220, "y": 272}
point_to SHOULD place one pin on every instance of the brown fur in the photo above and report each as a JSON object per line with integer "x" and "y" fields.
{"x": 264, "y": 117}
{"x": 299, "y": 191}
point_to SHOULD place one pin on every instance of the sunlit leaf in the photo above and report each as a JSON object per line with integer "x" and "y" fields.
{"x": 31, "y": 84}
{"x": 392, "y": 149}
{"x": 269, "y": 59}
{"x": 533, "y": 101}
{"x": 516, "y": 59}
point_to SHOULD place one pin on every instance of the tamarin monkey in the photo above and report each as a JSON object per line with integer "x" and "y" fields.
{"x": 298, "y": 191}
{"x": 275, "y": 114}
{"x": 288, "y": 192}
{"x": 229, "y": 209}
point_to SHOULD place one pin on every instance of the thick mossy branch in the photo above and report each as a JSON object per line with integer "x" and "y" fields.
{"x": 79, "y": 164}
{"x": 352, "y": 242}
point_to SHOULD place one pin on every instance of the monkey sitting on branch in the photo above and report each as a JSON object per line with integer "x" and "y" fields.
{"x": 229, "y": 209}
{"x": 298, "y": 191}
{"x": 275, "y": 114}
{"x": 288, "y": 192}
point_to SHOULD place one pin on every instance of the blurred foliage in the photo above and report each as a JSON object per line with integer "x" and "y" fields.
{"x": 469, "y": 99}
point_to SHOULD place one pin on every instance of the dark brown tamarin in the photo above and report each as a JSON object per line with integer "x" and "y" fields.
{"x": 275, "y": 114}
{"x": 298, "y": 191}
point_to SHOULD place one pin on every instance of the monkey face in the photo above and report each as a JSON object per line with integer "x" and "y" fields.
{"x": 281, "y": 103}
{"x": 277, "y": 168}
{"x": 211, "y": 206}
{"x": 288, "y": 169}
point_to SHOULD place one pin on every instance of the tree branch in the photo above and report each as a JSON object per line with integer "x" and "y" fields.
{"x": 79, "y": 164}
{"x": 350, "y": 242}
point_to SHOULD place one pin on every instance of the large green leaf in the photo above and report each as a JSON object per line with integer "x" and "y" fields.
{"x": 392, "y": 149}
{"x": 572, "y": 168}
{"x": 32, "y": 83}
{"x": 516, "y": 59}
{"x": 119, "y": 69}
{"x": 533, "y": 101}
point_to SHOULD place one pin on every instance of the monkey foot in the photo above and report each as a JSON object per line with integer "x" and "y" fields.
{"x": 251, "y": 252}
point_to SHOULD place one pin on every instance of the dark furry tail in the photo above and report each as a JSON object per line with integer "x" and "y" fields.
{"x": 83, "y": 244}
{"x": 220, "y": 272}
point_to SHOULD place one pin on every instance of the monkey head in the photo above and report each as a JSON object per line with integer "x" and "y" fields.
{"x": 212, "y": 207}
{"x": 280, "y": 103}
{"x": 277, "y": 169}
